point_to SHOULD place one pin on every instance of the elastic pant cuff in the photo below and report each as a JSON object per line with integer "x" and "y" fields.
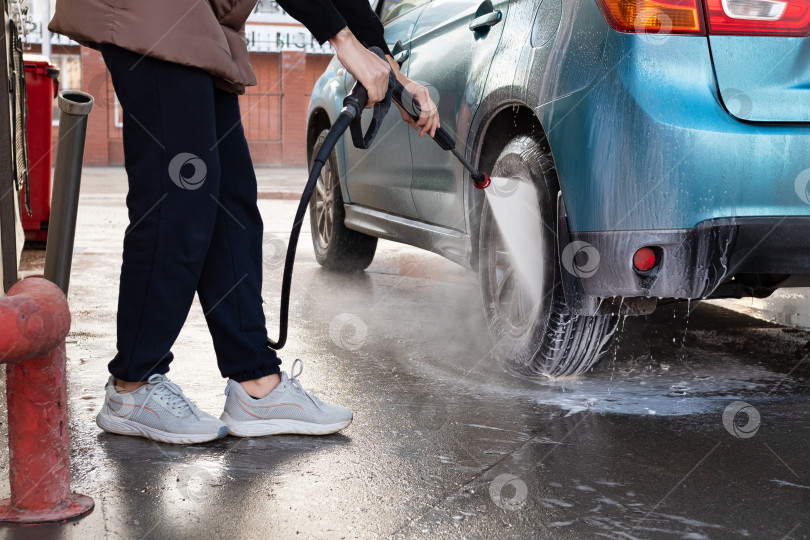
{"x": 255, "y": 373}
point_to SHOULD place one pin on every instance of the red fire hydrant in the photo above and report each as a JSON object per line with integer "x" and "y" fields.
{"x": 34, "y": 320}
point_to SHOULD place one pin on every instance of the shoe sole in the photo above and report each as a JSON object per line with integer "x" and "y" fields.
{"x": 260, "y": 428}
{"x": 123, "y": 426}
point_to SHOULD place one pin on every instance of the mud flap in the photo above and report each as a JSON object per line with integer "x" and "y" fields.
{"x": 578, "y": 301}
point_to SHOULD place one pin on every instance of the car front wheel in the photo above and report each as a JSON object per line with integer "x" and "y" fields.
{"x": 533, "y": 330}
{"x": 336, "y": 246}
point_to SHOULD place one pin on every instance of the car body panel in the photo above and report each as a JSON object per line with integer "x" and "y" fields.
{"x": 455, "y": 61}
{"x": 647, "y": 143}
{"x": 448, "y": 243}
{"x": 327, "y": 99}
{"x": 554, "y": 62}
{"x": 366, "y": 183}
{"x": 763, "y": 78}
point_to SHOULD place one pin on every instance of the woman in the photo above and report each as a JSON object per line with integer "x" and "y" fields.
{"x": 177, "y": 67}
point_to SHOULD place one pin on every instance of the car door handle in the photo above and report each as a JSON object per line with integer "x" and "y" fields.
{"x": 486, "y": 20}
{"x": 401, "y": 56}
{"x": 400, "y": 53}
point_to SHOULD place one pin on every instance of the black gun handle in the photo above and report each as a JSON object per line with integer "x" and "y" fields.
{"x": 356, "y": 101}
{"x": 357, "y": 98}
{"x": 406, "y": 100}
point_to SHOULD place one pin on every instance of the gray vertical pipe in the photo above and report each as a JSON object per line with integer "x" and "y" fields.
{"x": 75, "y": 107}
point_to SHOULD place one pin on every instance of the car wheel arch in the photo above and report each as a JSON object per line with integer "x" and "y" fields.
{"x": 318, "y": 121}
{"x": 500, "y": 126}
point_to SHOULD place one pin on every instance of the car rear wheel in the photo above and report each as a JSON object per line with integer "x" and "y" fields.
{"x": 336, "y": 247}
{"x": 534, "y": 336}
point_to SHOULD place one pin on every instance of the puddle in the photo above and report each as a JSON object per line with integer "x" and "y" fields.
{"x": 679, "y": 387}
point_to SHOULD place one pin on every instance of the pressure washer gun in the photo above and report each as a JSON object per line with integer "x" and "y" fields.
{"x": 349, "y": 118}
{"x": 356, "y": 102}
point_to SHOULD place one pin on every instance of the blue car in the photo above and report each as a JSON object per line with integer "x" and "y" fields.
{"x": 667, "y": 143}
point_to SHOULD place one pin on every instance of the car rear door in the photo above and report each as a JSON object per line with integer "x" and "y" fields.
{"x": 761, "y": 56}
{"x": 451, "y": 50}
{"x": 380, "y": 177}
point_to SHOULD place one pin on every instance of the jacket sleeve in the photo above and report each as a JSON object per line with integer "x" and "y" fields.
{"x": 325, "y": 18}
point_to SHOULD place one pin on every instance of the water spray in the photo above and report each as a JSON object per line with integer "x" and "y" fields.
{"x": 349, "y": 118}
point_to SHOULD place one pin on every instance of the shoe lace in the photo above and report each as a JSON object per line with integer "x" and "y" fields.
{"x": 296, "y": 384}
{"x": 172, "y": 395}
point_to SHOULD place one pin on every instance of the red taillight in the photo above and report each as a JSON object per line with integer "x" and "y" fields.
{"x": 759, "y": 17}
{"x": 644, "y": 259}
{"x": 723, "y": 17}
{"x": 653, "y": 16}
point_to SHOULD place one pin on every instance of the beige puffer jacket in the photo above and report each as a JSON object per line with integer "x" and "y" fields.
{"x": 207, "y": 34}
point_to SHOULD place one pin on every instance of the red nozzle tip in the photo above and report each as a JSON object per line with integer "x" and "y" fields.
{"x": 482, "y": 181}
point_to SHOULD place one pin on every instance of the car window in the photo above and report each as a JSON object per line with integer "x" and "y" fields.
{"x": 391, "y": 9}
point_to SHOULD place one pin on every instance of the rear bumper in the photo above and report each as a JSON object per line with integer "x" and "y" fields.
{"x": 692, "y": 263}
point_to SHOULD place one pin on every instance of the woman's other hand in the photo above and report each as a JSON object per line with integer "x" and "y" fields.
{"x": 428, "y": 121}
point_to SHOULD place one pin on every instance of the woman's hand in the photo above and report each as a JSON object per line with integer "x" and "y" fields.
{"x": 428, "y": 121}
{"x": 372, "y": 72}
{"x": 365, "y": 66}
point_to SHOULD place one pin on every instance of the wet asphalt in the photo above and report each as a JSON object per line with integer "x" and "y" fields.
{"x": 445, "y": 443}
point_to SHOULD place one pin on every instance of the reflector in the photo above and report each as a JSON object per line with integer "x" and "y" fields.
{"x": 722, "y": 17}
{"x": 644, "y": 259}
{"x": 754, "y": 10}
{"x": 758, "y": 17}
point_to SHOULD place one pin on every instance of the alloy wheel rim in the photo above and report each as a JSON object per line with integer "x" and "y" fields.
{"x": 324, "y": 210}
{"x": 510, "y": 301}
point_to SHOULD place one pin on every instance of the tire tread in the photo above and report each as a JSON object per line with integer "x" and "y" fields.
{"x": 566, "y": 344}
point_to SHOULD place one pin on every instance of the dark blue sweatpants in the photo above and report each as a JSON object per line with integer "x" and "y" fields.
{"x": 194, "y": 225}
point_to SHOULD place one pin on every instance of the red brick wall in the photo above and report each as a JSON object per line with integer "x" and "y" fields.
{"x": 273, "y": 112}
{"x": 261, "y": 110}
{"x": 95, "y": 81}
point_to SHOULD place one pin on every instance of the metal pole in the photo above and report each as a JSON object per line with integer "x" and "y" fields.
{"x": 43, "y": 24}
{"x": 75, "y": 107}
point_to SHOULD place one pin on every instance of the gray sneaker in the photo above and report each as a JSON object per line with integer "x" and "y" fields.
{"x": 287, "y": 409}
{"x": 157, "y": 410}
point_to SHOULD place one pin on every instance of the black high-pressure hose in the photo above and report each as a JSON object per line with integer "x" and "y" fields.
{"x": 353, "y": 106}
{"x": 335, "y": 132}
